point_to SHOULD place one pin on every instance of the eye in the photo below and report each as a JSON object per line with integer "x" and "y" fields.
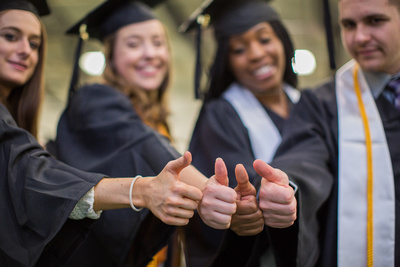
{"x": 10, "y": 37}
{"x": 374, "y": 21}
{"x": 238, "y": 50}
{"x": 348, "y": 25}
{"x": 265, "y": 40}
{"x": 34, "y": 45}
{"x": 133, "y": 44}
{"x": 158, "y": 42}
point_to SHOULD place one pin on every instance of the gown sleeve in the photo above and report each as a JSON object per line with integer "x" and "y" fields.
{"x": 100, "y": 131}
{"x": 219, "y": 132}
{"x": 37, "y": 194}
{"x": 308, "y": 154}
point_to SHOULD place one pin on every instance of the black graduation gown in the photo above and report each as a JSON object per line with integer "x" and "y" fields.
{"x": 219, "y": 132}
{"x": 99, "y": 131}
{"x": 37, "y": 194}
{"x": 309, "y": 155}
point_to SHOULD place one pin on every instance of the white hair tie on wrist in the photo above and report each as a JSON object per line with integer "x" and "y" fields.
{"x": 130, "y": 193}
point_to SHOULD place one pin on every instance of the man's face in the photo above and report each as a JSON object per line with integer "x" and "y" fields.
{"x": 371, "y": 33}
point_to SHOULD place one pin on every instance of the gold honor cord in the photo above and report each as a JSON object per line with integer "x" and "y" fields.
{"x": 368, "y": 143}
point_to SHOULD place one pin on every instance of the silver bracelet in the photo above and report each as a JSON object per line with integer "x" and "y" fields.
{"x": 130, "y": 194}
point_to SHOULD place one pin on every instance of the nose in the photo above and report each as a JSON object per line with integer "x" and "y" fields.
{"x": 256, "y": 51}
{"x": 149, "y": 50}
{"x": 24, "y": 48}
{"x": 362, "y": 34}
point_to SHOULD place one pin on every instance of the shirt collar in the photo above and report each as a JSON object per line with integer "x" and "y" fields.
{"x": 377, "y": 81}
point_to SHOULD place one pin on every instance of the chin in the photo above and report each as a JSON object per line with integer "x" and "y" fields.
{"x": 150, "y": 88}
{"x": 369, "y": 65}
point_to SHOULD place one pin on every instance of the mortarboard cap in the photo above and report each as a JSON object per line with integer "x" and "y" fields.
{"x": 38, "y": 7}
{"x": 229, "y": 17}
{"x": 112, "y": 15}
{"x": 105, "y": 19}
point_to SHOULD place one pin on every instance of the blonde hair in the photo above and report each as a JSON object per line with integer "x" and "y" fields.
{"x": 24, "y": 102}
{"x": 151, "y": 106}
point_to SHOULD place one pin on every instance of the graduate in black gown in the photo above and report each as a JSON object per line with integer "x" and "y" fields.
{"x": 341, "y": 148}
{"x": 118, "y": 127}
{"x": 250, "y": 93}
{"x": 46, "y": 207}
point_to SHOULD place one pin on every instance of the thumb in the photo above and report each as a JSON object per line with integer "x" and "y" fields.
{"x": 221, "y": 173}
{"x": 272, "y": 175}
{"x": 244, "y": 187}
{"x": 176, "y": 166}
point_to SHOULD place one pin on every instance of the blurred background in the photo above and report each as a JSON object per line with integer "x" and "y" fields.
{"x": 303, "y": 18}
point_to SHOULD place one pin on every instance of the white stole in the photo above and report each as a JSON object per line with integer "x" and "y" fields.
{"x": 352, "y": 196}
{"x": 264, "y": 136}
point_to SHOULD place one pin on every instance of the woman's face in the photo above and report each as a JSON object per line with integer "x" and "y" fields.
{"x": 20, "y": 39}
{"x": 141, "y": 54}
{"x": 257, "y": 59}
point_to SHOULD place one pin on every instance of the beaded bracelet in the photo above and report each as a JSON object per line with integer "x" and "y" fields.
{"x": 130, "y": 194}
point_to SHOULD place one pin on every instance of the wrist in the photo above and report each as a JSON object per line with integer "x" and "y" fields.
{"x": 139, "y": 191}
{"x": 130, "y": 194}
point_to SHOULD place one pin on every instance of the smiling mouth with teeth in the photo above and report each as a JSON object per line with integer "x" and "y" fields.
{"x": 263, "y": 70}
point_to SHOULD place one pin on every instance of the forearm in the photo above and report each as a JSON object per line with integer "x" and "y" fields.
{"x": 191, "y": 176}
{"x": 112, "y": 193}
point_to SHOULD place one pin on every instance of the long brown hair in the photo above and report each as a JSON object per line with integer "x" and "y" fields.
{"x": 151, "y": 106}
{"x": 24, "y": 102}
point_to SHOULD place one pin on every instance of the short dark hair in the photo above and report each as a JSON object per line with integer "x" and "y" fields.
{"x": 392, "y": 2}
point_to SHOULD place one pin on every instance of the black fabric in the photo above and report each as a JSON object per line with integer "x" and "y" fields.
{"x": 240, "y": 16}
{"x": 38, "y": 7}
{"x": 64, "y": 244}
{"x": 37, "y": 194}
{"x": 100, "y": 131}
{"x": 234, "y": 249}
{"x": 219, "y": 132}
{"x": 110, "y": 16}
{"x": 308, "y": 154}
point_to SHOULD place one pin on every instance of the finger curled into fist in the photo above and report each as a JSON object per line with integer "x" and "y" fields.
{"x": 276, "y": 197}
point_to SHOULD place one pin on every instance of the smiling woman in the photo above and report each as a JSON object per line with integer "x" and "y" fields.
{"x": 19, "y": 44}
{"x": 21, "y": 62}
{"x": 138, "y": 64}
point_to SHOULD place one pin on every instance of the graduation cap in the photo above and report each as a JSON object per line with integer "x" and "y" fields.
{"x": 228, "y": 17}
{"x": 106, "y": 19}
{"x": 38, "y": 7}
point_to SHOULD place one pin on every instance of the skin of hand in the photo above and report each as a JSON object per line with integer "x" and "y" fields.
{"x": 169, "y": 199}
{"x": 219, "y": 200}
{"x": 276, "y": 196}
{"x": 248, "y": 219}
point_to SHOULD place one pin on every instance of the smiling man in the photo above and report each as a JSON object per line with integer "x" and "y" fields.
{"x": 344, "y": 151}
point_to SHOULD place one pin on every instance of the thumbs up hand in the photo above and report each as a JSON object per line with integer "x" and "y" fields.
{"x": 169, "y": 199}
{"x": 276, "y": 197}
{"x": 248, "y": 219}
{"x": 219, "y": 200}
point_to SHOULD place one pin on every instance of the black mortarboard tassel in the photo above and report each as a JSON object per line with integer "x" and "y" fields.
{"x": 38, "y": 7}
